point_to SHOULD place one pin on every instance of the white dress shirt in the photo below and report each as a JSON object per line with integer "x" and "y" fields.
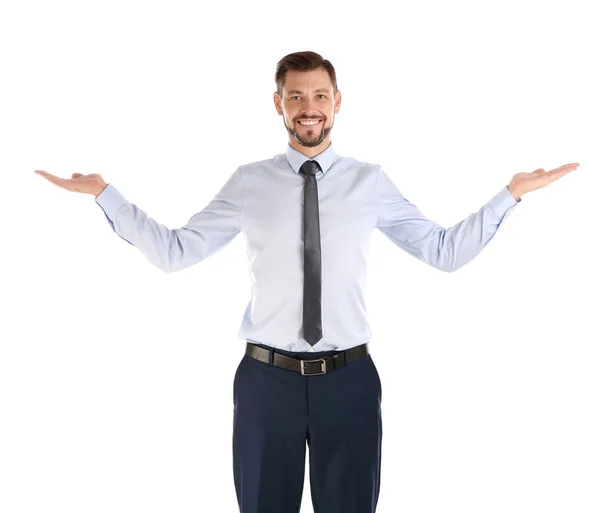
{"x": 264, "y": 200}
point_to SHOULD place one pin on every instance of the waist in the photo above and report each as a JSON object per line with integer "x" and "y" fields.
{"x": 301, "y": 355}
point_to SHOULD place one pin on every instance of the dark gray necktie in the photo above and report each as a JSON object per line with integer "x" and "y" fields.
{"x": 311, "y": 314}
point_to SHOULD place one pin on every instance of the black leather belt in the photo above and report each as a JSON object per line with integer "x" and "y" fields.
{"x": 308, "y": 367}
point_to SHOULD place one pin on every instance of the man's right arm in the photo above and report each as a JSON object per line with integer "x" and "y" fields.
{"x": 171, "y": 250}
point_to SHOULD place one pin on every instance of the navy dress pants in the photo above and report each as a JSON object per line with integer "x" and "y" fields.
{"x": 279, "y": 412}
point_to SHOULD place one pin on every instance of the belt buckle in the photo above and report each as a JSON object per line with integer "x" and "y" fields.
{"x": 323, "y": 367}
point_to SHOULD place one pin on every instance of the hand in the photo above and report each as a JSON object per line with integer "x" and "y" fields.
{"x": 522, "y": 183}
{"x": 88, "y": 184}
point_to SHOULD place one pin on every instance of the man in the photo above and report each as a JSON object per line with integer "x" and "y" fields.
{"x": 307, "y": 377}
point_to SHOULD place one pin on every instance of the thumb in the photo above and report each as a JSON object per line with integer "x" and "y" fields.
{"x": 76, "y": 175}
{"x": 539, "y": 171}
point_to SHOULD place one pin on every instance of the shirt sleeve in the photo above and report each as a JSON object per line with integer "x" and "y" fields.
{"x": 171, "y": 250}
{"x": 446, "y": 249}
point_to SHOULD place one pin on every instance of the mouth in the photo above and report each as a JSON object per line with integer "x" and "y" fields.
{"x": 309, "y": 122}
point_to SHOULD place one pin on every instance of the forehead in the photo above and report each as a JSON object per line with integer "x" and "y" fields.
{"x": 307, "y": 80}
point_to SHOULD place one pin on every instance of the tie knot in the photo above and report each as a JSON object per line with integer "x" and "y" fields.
{"x": 310, "y": 167}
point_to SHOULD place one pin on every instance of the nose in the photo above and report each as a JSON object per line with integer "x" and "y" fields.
{"x": 309, "y": 108}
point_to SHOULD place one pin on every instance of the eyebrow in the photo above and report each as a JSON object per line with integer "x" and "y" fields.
{"x": 295, "y": 91}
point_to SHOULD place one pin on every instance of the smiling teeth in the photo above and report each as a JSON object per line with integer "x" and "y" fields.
{"x": 314, "y": 122}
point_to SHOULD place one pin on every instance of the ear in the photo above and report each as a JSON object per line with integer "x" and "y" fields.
{"x": 338, "y": 101}
{"x": 277, "y": 102}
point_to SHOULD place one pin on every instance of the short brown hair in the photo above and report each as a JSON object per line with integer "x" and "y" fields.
{"x": 303, "y": 61}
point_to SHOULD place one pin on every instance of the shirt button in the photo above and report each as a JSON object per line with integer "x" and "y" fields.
{"x": 312, "y": 349}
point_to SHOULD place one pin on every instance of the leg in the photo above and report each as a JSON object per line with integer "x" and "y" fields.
{"x": 269, "y": 437}
{"x": 344, "y": 438}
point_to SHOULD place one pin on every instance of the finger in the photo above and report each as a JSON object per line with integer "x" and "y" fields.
{"x": 45, "y": 174}
{"x": 568, "y": 167}
{"x": 555, "y": 174}
{"x": 563, "y": 170}
{"x": 56, "y": 180}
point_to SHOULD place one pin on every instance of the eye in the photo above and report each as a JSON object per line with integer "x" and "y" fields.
{"x": 323, "y": 95}
{"x": 295, "y": 97}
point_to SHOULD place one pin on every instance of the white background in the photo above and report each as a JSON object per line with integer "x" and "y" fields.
{"x": 116, "y": 379}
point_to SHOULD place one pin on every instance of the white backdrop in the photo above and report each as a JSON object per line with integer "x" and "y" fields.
{"x": 116, "y": 379}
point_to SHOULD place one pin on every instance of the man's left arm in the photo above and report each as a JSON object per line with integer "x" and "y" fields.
{"x": 448, "y": 249}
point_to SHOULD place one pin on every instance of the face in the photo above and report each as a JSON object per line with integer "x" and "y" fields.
{"x": 307, "y": 96}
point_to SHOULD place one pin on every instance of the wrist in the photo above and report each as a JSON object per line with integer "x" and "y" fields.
{"x": 100, "y": 188}
{"x": 514, "y": 192}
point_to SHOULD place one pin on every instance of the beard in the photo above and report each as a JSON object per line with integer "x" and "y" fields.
{"x": 312, "y": 137}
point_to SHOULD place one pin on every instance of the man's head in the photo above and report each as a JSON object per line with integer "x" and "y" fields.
{"x": 307, "y": 91}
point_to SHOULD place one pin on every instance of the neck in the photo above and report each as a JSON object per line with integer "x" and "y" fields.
{"x": 310, "y": 151}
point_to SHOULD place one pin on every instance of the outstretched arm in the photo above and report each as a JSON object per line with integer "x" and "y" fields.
{"x": 170, "y": 250}
{"x": 206, "y": 232}
{"x": 448, "y": 249}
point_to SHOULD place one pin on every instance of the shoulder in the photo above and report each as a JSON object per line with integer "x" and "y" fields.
{"x": 362, "y": 165}
{"x": 258, "y": 164}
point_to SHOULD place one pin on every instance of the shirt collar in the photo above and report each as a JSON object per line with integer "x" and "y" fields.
{"x": 325, "y": 159}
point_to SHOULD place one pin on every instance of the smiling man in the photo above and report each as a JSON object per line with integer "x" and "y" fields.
{"x": 307, "y": 377}
{"x": 308, "y": 107}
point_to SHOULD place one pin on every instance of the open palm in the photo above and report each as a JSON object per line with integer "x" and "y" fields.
{"x": 88, "y": 184}
{"x": 526, "y": 182}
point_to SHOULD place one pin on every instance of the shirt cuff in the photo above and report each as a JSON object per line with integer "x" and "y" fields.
{"x": 502, "y": 202}
{"x": 111, "y": 200}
